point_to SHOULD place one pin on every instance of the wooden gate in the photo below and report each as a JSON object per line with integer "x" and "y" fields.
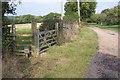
{"x": 33, "y": 41}
{"x": 23, "y": 39}
{"x": 42, "y": 40}
{"x": 47, "y": 39}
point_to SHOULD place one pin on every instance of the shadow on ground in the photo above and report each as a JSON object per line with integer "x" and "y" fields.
{"x": 104, "y": 66}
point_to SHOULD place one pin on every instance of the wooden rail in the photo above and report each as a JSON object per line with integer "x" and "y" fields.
{"x": 24, "y": 35}
{"x": 40, "y": 41}
{"x": 47, "y": 39}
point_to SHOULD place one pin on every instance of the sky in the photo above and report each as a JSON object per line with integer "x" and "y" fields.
{"x": 43, "y": 7}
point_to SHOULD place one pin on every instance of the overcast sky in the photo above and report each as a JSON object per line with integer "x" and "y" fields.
{"x": 43, "y": 7}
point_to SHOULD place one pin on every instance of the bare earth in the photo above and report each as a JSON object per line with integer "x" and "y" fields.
{"x": 105, "y": 62}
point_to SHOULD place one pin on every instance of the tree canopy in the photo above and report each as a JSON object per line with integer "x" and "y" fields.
{"x": 49, "y": 21}
{"x": 107, "y": 16}
{"x": 87, "y": 9}
{"x": 8, "y": 8}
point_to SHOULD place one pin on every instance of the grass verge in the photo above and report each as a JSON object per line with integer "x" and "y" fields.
{"x": 70, "y": 60}
{"x": 108, "y": 27}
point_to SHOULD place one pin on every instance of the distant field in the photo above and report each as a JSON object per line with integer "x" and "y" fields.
{"x": 109, "y": 27}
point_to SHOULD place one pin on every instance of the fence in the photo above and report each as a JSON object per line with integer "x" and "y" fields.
{"x": 42, "y": 40}
{"x": 47, "y": 39}
{"x": 38, "y": 41}
{"x": 32, "y": 43}
{"x": 8, "y": 39}
{"x": 22, "y": 41}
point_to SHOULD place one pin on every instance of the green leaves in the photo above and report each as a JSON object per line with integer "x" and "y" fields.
{"x": 107, "y": 16}
{"x": 49, "y": 21}
{"x": 27, "y": 18}
{"x": 86, "y": 9}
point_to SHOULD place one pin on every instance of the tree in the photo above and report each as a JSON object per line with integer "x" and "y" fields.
{"x": 49, "y": 21}
{"x": 8, "y": 8}
{"x": 39, "y": 19}
{"x": 24, "y": 19}
{"x": 111, "y": 15}
{"x": 98, "y": 18}
{"x": 87, "y": 9}
{"x": 105, "y": 11}
{"x": 28, "y": 18}
{"x": 107, "y": 16}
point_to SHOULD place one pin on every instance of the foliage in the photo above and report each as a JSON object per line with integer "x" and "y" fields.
{"x": 39, "y": 19}
{"x": 49, "y": 21}
{"x": 86, "y": 9}
{"x": 107, "y": 16}
{"x": 71, "y": 17}
{"x": 98, "y": 18}
{"x": 24, "y": 19}
{"x": 112, "y": 16}
{"x": 7, "y": 8}
{"x": 7, "y": 40}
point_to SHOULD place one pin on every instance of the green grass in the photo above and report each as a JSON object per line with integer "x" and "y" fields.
{"x": 70, "y": 60}
{"x": 24, "y": 29}
{"x": 108, "y": 27}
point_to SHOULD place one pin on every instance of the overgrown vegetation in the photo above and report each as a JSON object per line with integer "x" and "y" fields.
{"x": 107, "y": 16}
{"x": 69, "y": 60}
{"x": 86, "y": 11}
{"x": 27, "y": 19}
{"x": 49, "y": 21}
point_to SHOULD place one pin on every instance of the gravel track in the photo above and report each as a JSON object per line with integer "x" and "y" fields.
{"x": 105, "y": 62}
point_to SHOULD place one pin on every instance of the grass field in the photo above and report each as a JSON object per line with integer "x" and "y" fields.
{"x": 109, "y": 27}
{"x": 70, "y": 60}
{"x": 23, "y": 41}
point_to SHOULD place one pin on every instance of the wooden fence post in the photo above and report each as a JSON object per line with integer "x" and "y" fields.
{"x": 35, "y": 44}
{"x": 61, "y": 31}
{"x": 14, "y": 36}
{"x": 57, "y": 30}
{"x": 13, "y": 31}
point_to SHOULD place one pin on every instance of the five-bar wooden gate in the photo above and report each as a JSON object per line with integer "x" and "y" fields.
{"x": 34, "y": 42}
{"x": 42, "y": 40}
{"x": 47, "y": 39}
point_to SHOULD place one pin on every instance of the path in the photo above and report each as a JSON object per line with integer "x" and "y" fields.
{"x": 105, "y": 62}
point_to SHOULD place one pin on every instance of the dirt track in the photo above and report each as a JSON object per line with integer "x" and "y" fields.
{"x": 105, "y": 62}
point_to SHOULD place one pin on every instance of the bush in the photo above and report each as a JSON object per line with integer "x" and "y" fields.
{"x": 71, "y": 17}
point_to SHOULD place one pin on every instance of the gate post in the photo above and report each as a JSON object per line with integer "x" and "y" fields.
{"x": 35, "y": 44}
{"x": 57, "y": 29}
{"x": 14, "y": 36}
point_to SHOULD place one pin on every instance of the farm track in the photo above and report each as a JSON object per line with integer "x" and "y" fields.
{"x": 105, "y": 63}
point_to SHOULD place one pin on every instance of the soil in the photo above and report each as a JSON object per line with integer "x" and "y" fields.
{"x": 105, "y": 63}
